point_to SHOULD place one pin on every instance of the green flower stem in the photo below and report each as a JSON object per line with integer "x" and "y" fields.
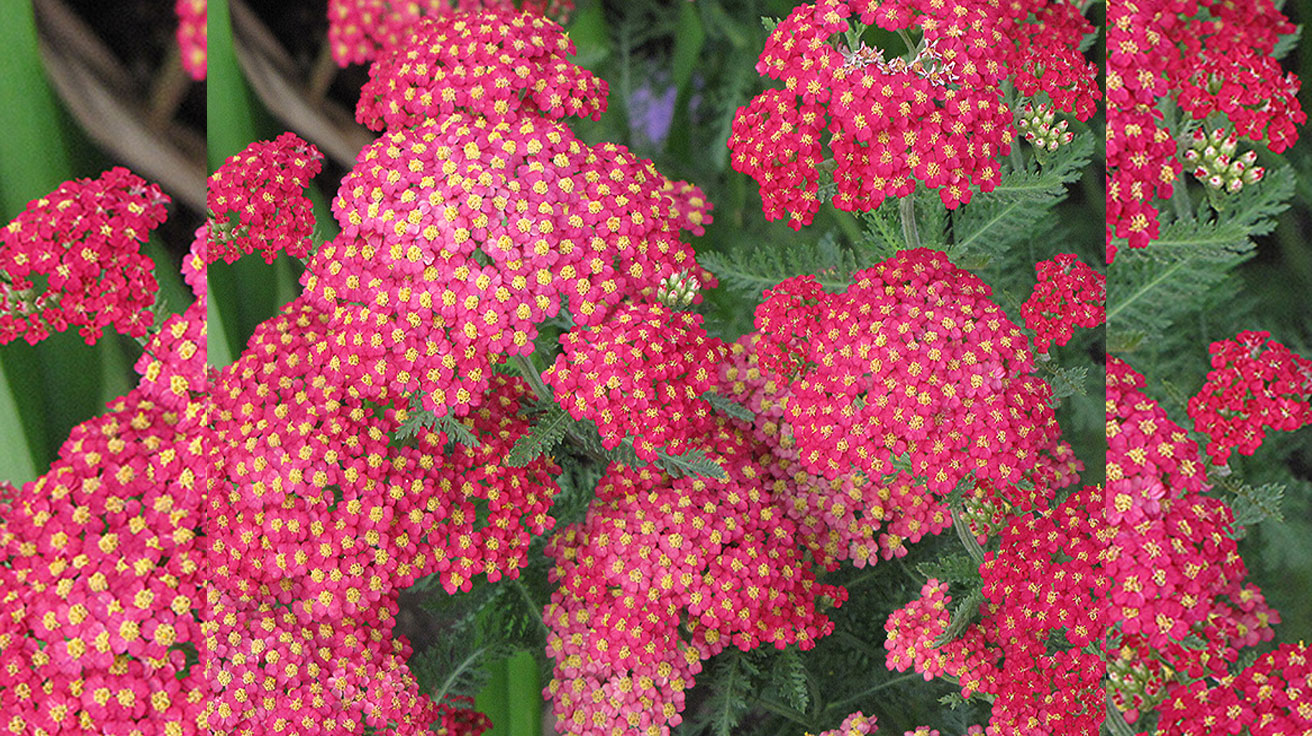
{"x": 906, "y": 207}
{"x": 524, "y": 364}
{"x": 967, "y": 539}
{"x": 912, "y": 48}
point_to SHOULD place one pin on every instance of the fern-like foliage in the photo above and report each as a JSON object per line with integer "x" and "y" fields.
{"x": 546, "y": 433}
{"x": 420, "y": 419}
{"x": 965, "y": 612}
{"x": 994, "y": 222}
{"x": 692, "y": 462}
{"x": 728, "y": 406}
{"x": 1253, "y": 504}
{"x": 1149, "y": 290}
{"x": 789, "y": 680}
{"x": 953, "y": 568}
{"x": 752, "y": 270}
{"x": 1067, "y": 382}
{"x": 733, "y": 680}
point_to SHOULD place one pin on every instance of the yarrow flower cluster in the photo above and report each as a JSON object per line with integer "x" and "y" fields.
{"x": 936, "y": 117}
{"x": 914, "y": 360}
{"x": 360, "y": 30}
{"x": 1220, "y": 65}
{"x": 1176, "y": 570}
{"x": 1255, "y": 384}
{"x": 101, "y": 581}
{"x": 639, "y": 375}
{"x": 1271, "y": 696}
{"x": 497, "y": 63}
{"x": 192, "y": 36}
{"x": 663, "y": 574}
{"x": 912, "y": 632}
{"x": 1068, "y": 294}
{"x": 256, "y": 200}
{"x": 850, "y": 517}
{"x": 73, "y": 258}
{"x": 462, "y": 233}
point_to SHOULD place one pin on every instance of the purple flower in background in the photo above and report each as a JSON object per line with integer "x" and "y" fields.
{"x": 651, "y": 112}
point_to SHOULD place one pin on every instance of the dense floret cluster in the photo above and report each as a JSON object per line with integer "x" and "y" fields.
{"x": 1218, "y": 63}
{"x": 914, "y": 360}
{"x": 663, "y": 574}
{"x": 359, "y": 30}
{"x": 256, "y": 200}
{"x": 640, "y": 375}
{"x": 934, "y": 117}
{"x": 1255, "y": 384}
{"x": 1271, "y": 696}
{"x": 101, "y": 585}
{"x": 495, "y": 63}
{"x": 1068, "y": 294}
{"x": 73, "y": 258}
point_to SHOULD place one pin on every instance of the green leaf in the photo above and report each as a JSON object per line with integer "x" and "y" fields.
{"x": 788, "y": 676}
{"x": 1067, "y": 382}
{"x": 954, "y": 568}
{"x": 1149, "y": 290}
{"x": 1252, "y": 505}
{"x": 733, "y": 680}
{"x": 729, "y": 406}
{"x": 994, "y": 221}
{"x": 421, "y": 419}
{"x": 692, "y": 462}
{"x": 751, "y": 270}
{"x": 962, "y": 615}
{"x": 545, "y": 435}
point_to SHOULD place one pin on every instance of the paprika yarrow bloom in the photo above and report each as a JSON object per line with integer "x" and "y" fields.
{"x": 257, "y": 200}
{"x": 935, "y": 117}
{"x": 494, "y": 63}
{"x": 1255, "y": 384}
{"x": 358, "y": 30}
{"x": 657, "y": 557}
{"x": 73, "y": 258}
{"x": 641, "y": 375}
{"x": 1068, "y": 294}
{"x": 915, "y": 359}
{"x": 1218, "y": 63}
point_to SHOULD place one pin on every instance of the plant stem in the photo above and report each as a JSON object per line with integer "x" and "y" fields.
{"x": 779, "y": 709}
{"x": 895, "y": 681}
{"x": 907, "y": 209}
{"x": 906, "y": 39}
{"x": 967, "y": 539}
{"x": 524, "y": 364}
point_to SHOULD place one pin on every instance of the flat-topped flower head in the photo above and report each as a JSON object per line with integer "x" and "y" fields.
{"x": 932, "y": 118}
{"x": 665, "y": 573}
{"x": 915, "y": 359}
{"x": 257, "y": 200}
{"x": 639, "y": 375}
{"x": 462, "y": 234}
{"x": 1068, "y": 294}
{"x": 493, "y": 63}
{"x": 73, "y": 258}
{"x": 1255, "y": 384}
{"x": 360, "y": 30}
